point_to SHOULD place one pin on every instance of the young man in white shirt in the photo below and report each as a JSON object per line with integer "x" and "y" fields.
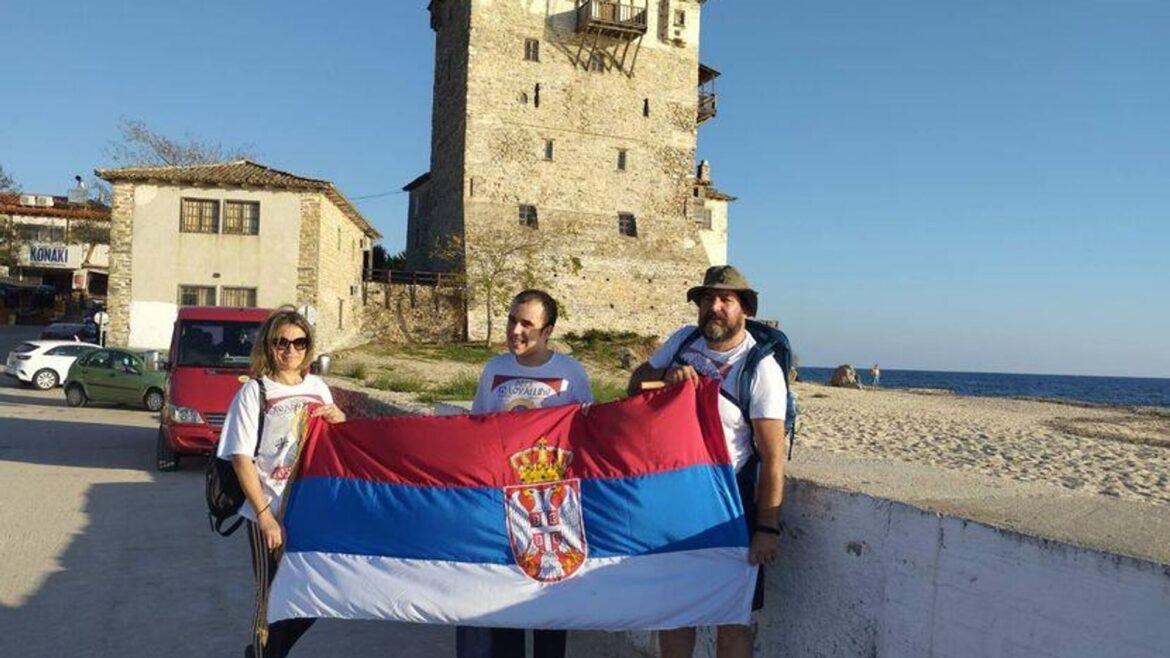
{"x": 725, "y": 301}
{"x": 529, "y": 376}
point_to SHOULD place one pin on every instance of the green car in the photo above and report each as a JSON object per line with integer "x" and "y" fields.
{"x": 112, "y": 375}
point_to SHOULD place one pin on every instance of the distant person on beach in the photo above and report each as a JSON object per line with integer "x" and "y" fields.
{"x": 529, "y": 376}
{"x": 725, "y": 302}
{"x": 875, "y": 374}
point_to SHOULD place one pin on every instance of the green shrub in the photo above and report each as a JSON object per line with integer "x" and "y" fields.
{"x": 474, "y": 353}
{"x": 398, "y": 383}
{"x": 465, "y": 352}
{"x": 356, "y": 370}
{"x": 460, "y": 388}
{"x": 607, "y": 391}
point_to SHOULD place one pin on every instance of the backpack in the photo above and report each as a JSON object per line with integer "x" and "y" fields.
{"x": 770, "y": 342}
{"x": 225, "y": 496}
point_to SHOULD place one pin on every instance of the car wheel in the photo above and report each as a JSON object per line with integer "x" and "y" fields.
{"x": 44, "y": 379}
{"x": 75, "y": 396}
{"x": 154, "y": 400}
{"x": 167, "y": 459}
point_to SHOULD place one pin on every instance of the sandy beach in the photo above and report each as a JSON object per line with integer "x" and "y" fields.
{"x": 1111, "y": 451}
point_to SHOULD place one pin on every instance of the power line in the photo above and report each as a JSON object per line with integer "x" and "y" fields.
{"x": 378, "y": 196}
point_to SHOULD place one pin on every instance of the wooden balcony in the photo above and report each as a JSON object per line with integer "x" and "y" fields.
{"x": 622, "y": 20}
{"x": 708, "y": 100}
{"x": 707, "y": 105}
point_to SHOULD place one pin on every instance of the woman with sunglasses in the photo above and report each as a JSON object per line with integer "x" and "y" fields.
{"x": 284, "y": 391}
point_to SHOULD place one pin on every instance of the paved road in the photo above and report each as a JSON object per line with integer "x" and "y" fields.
{"x": 101, "y": 555}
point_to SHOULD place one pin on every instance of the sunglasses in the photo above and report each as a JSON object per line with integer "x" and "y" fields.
{"x": 299, "y": 344}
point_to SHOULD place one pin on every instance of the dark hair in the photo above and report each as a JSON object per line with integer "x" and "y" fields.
{"x": 546, "y": 301}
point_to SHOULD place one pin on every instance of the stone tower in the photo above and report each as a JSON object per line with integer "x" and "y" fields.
{"x": 576, "y": 120}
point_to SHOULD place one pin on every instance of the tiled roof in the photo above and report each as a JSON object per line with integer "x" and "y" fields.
{"x": 10, "y": 205}
{"x": 709, "y": 191}
{"x": 238, "y": 173}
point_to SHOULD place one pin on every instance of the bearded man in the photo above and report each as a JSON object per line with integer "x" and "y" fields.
{"x": 755, "y": 443}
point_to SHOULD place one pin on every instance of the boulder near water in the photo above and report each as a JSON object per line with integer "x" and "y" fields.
{"x": 845, "y": 377}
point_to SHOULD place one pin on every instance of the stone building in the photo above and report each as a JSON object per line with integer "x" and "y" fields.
{"x": 576, "y": 119}
{"x": 232, "y": 234}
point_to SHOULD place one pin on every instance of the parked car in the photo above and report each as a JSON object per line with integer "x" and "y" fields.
{"x": 209, "y": 359}
{"x": 80, "y": 331}
{"x": 115, "y": 375}
{"x": 45, "y": 363}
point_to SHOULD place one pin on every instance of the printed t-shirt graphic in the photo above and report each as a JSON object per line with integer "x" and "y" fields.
{"x": 287, "y": 417}
{"x": 286, "y": 414}
{"x": 518, "y": 392}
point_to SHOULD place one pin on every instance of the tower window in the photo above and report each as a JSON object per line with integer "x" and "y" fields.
{"x": 531, "y": 50}
{"x": 536, "y": 95}
{"x": 680, "y": 18}
{"x": 548, "y": 149}
{"x": 627, "y": 224}
{"x": 528, "y": 216}
{"x": 621, "y": 161}
{"x": 646, "y": 107}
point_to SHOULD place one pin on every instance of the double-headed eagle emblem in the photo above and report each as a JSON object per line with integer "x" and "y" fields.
{"x": 545, "y": 527}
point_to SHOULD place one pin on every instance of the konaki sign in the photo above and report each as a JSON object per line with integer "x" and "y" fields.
{"x": 65, "y": 257}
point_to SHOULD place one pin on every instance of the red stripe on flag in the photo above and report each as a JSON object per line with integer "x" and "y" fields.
{"x": 657, "y": 431}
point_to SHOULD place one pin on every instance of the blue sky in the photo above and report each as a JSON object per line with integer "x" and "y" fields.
{"x": 922, "y": 183}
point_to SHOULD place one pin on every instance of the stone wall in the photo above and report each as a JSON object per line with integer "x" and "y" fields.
{"x": 120, "y": 292}
{"x": 307, "y": 254}
{"x": 338, "y": 272}
{"x": 401, "y": 313}
{"x": 360, "y": 402}
{"x": 441, "y": 216}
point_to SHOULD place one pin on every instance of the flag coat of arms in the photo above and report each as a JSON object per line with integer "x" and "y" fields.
{"x": 624, "y": 517}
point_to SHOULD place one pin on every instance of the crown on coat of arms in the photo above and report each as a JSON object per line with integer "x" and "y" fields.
{"x": 541, "y": 463}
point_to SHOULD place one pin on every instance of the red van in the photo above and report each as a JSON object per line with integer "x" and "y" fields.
{"x": 209, "y": 360}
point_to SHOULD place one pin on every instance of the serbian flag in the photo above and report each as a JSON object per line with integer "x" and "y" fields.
{"x": 624, "y": 517}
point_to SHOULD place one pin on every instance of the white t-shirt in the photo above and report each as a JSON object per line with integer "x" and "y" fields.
{"x": 507, "y": 385}
{"x": 286, "y": 415}
{"x": 769, "y": 391}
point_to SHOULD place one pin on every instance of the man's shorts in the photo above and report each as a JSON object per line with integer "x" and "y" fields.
{"x": 747, "y": 493}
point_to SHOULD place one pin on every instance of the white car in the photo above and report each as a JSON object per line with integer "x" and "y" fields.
{"x": 44, "y": 363}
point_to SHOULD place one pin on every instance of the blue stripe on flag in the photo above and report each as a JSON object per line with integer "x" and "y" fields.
{"x": 686, "y": 509}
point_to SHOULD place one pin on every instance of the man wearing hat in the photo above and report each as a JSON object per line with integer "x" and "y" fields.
{"x": 717, "y": 348}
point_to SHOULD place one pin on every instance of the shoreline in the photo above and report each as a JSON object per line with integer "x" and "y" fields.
{"x": 950, "y": 392}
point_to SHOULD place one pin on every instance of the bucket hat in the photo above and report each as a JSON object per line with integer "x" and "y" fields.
{"x": 726, "y": 277}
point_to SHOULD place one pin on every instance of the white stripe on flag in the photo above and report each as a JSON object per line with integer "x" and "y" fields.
{"x": 646, "y": 592}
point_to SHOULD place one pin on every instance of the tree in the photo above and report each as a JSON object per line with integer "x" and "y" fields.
{"x": 91, "y": 233}
{"x": 139, "y": 146}
{"x": 8, "y": 246}
{"x": 502, "y": 260}
{"x": 382, "y": 260}
{"x": 7, "y": 183}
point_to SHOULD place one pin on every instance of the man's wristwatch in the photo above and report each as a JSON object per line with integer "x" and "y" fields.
{"x": 767, "y": 529}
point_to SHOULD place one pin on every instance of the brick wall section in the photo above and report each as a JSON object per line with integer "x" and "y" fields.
{"x": 121, "y": 263}
{"x": 623, "y": 283}
{"x": 397, "y": 313}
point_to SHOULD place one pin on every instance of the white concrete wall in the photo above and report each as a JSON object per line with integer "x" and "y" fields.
{"x": 714, "y": 240}
{"x": 866, "y": 577}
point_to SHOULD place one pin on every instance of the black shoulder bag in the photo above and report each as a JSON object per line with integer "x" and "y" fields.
{"x": 225, "y": 496}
